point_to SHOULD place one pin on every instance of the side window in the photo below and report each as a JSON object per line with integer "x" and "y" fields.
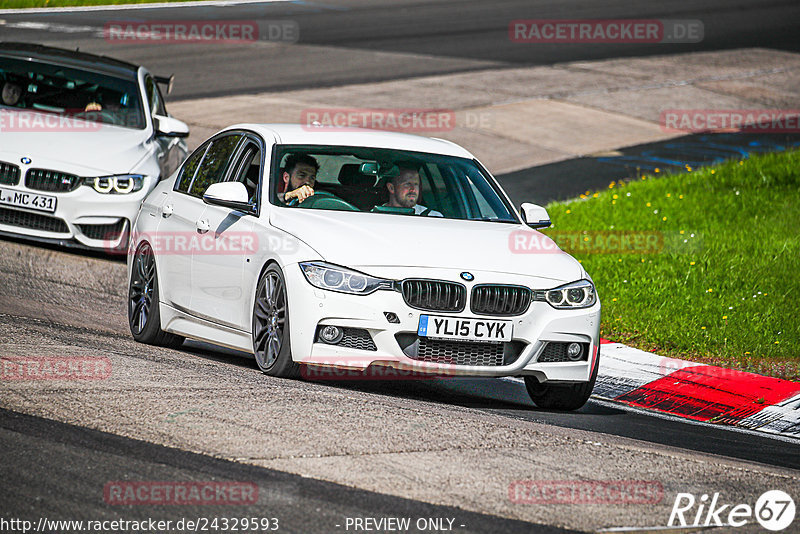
{"x": 481, "y": 201}
{"x": 154, "y": 99}
{"x": 216, "y": 161}
{"x": 248, "y": 169}
{"x": 189, "y": 169}
{"x": 433, "y": 190}
{"x": 484, "y": 209}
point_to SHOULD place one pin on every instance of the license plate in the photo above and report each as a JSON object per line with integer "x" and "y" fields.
{"x": 32, "y": 201}
{"x": 464, "y": 329}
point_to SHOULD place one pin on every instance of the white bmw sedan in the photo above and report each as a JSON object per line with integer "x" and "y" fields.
{"x": 319, "y": 248}
{"x": 83, "y": 139}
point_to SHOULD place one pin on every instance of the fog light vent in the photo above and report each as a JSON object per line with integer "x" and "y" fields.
{"x": 564, "y": 352}
{"x": 345, "y": 337}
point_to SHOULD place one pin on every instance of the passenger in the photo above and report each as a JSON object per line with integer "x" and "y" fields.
{"x": 404, "y": 191}
{"x": 11, "y": 94}
{"x": 299, "y": 177}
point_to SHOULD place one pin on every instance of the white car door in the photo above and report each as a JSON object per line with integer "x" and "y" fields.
{"x": 220, "y": 290}
{"x": 182, "y": 230}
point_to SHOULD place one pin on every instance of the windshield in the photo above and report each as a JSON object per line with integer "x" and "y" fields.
{"x": 392, "y": 182}
{"x": 77, "y": 93}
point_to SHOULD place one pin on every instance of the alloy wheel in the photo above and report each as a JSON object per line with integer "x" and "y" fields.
{"x": 270, "y": 320}
{"x": 140, "y": 296}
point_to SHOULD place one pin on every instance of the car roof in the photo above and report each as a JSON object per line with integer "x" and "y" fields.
{"x": 69, "y": 58}
{"x": 298, "y": 134}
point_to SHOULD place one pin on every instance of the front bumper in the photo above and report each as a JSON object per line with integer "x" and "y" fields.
{"x": 310, "y": 308}
{"x": 83, "y": 218}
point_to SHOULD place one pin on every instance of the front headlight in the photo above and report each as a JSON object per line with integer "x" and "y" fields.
{"x": 116, "y": 184}
{"x": 335, "y": 278}
{"x": 580, "y": 294}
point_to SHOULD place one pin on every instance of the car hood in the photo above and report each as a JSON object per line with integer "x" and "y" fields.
{"x": 361, "y": 240}
{"x": 83, "y": 148}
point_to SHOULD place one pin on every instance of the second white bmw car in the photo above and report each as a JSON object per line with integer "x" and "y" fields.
{"x": 83, "y": 139}
{"x": 319, "y": 247}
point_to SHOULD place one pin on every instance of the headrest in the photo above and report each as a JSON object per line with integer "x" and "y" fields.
{"x": 281, "y": 184}
{"x": 350, "y": 174}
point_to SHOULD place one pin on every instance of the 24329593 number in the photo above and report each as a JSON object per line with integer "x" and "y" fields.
{"x": 237, "y": 524}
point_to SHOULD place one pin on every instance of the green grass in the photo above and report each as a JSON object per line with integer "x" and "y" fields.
{"x": 18, "y": 4}
{"x": 725, "y": 287}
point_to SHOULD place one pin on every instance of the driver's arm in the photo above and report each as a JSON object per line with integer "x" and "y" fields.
{"x": 301, "y": 193}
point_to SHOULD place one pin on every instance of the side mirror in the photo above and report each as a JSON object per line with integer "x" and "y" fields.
{"x": 166, "y": 81}
{"x": 170, "y": 127}
{"x": 228, "y": 195}
{"x": 534, "y": 215}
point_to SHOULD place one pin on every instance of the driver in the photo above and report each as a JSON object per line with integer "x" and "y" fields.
{"x": 299, "y": 177}
{"x": 11, "y": 94}
{"x": 404, "y": 191}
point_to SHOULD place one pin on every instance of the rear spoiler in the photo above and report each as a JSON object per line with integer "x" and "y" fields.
{"x": 165, "y": 80}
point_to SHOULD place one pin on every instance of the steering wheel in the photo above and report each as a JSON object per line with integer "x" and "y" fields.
{"x": 324, "y": 200}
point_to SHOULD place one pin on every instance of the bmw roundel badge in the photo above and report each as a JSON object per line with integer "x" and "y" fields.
{"x": 26, "y": 161}
{"x": 467, "y": 276}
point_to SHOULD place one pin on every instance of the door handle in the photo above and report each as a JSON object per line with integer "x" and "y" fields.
{"x": 202, "y": 226}
{"x": 167, "y": 210}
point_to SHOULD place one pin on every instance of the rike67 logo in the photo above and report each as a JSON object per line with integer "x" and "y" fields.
{"x": 774, "y": 510}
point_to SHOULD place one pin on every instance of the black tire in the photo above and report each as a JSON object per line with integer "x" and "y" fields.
{"x": 271, "y": 341}
{"x": 144, "y": 319}
{"x": 564, "y": 397}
